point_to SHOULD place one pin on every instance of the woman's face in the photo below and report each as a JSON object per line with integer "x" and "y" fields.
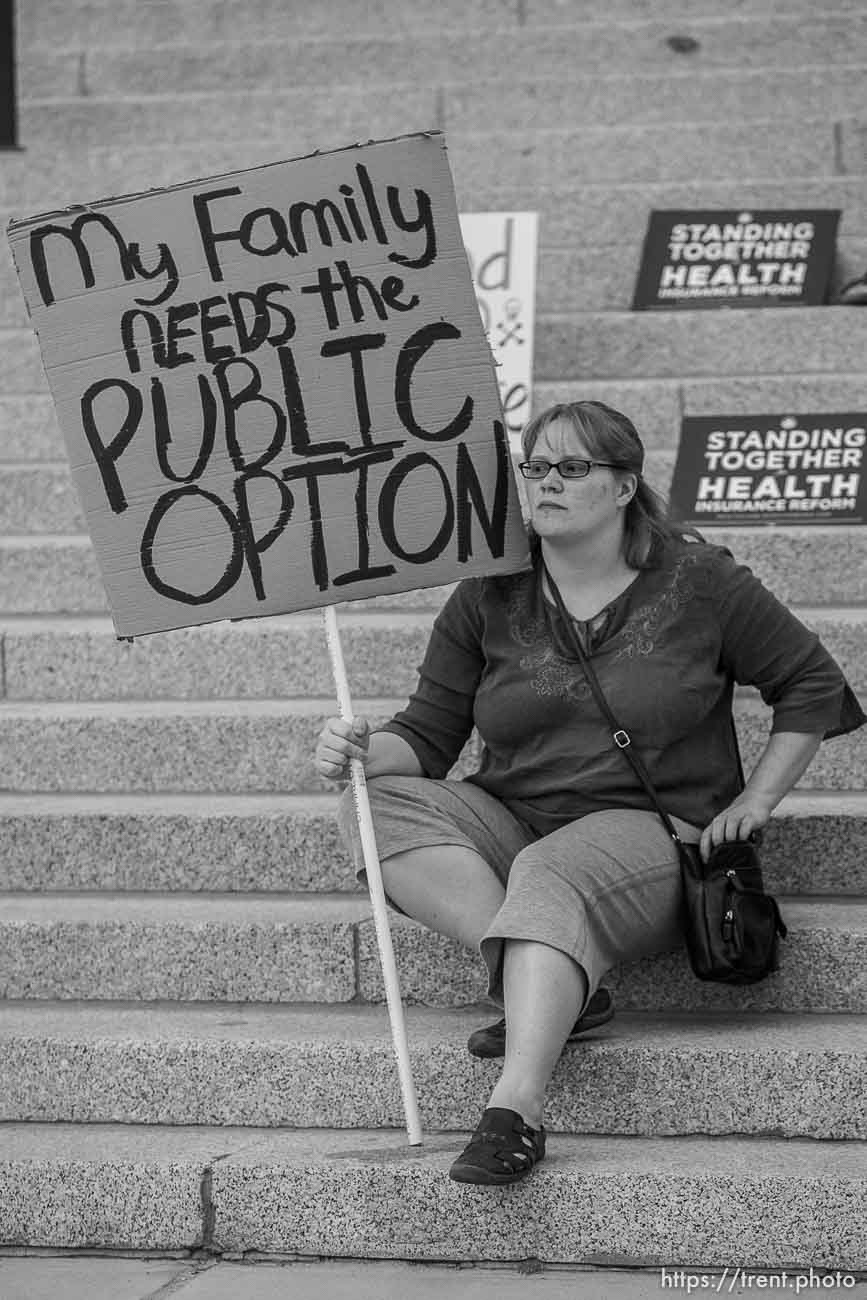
{"x": 578, "y": 507}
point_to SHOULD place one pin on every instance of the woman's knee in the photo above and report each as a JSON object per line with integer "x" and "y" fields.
{"x": 379, "y": 789}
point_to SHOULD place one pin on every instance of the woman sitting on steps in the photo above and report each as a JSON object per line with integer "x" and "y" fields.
{"x": 550, "y": 859}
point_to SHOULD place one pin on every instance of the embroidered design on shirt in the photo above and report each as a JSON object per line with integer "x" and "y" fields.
{"x": 553, "y": 674}
{"x": 642, "y": 627}
{"x": 556, "y": 676}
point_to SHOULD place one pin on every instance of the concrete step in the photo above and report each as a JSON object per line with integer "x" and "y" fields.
{"x": 289, "y": 1066}
{"x": 81, "y": 659}
{"x": 604, "y": 278}
{"x": 98, "y": 121}
{"x": 42, "y": 499}
{"x": 209, "y": 948}
{"x": 216, "y": 843}
{"x": 54, "y": 24}
{"x": 111, "y": 122}
{"x": 701, "y": 344}
{"x": 270, "y": 948}
{"x": 58, "y": 24}
{"x": 577, "y": 279}
{"x": 815, "y": 844}
{"x": 257, "y": 746}
{"x": 687, "y": 92}
{"x": 601, "y": 1200}
{"x": 59, "y": 575}
{"x": 29, "y": 430}
{"x": 822, "y": 968}
{"x": 423, "y": 56}
{"x": 677, "y": 345}
{"x": 284, "y": 657}
{"x": 760, "y": 151}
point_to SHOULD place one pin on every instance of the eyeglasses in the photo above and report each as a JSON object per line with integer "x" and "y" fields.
{"x": 572, "y": 467}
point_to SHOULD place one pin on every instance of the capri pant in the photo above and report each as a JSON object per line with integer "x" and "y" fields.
{"x": 604, "y": 889}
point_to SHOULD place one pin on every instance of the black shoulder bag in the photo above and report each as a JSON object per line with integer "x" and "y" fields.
{"x": 731, "y": 925}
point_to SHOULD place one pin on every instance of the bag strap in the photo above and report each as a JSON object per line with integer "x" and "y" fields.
{"x": 619, "y": 735}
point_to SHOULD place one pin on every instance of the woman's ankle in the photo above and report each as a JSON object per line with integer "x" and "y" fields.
{"x": 529, "y": 1106}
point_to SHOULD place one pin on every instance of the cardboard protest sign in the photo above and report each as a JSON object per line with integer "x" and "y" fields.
{"x": 501, "y": 247}
{"x": 771, "y": 469}
{"x": 734, "y": 258}
{"x": 274, "y": 386}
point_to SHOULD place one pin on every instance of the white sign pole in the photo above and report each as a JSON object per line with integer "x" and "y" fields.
{"x": 377, "y": 892}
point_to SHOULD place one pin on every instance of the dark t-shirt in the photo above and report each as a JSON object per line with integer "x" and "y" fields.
{"x": 667, "y": 654}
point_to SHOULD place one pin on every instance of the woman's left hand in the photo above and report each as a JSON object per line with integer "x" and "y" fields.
{"x": 746, "y": 814}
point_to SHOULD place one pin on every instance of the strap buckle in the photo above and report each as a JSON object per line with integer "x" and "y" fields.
{"x": 622, "y": 739}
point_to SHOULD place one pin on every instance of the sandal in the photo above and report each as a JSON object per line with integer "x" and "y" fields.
{"x": 502, "y": 1149}
{"x": 491, "y": 1040}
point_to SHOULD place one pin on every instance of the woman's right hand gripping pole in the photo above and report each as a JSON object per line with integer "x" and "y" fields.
{"x": 339, "y": 741}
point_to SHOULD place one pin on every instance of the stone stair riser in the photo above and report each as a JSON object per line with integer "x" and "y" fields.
{"x": 60, "y": 25}
{"x": 312, "y": 962}
{"x": 586, "y": 280}
{"x": 614, "y": 345}
{"x": 302, "y": 852}
{"x": 819, "y": 971}
{"x": 240, "y": 1190}
{"x": 597, "y": 1087}
{"x": 39, "y": 576}
{"x": 332, "y": 961}
{"x": 563, "y": 158}
{"x": 257, "y": 753}
{"x": 616, "y": 100}
{"x": 444, "y": 56}
{"x": 680, "y": 344}
{"x": 247, "y": 661}
{"x": 29, "y": 431}
{"x": 213, "y": 663}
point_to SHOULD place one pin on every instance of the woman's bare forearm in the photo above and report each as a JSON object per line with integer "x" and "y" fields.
{"x": 784, "y": 760}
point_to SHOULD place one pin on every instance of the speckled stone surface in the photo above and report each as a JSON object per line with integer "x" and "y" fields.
{"x": 823, "y": 967}
{"x": 257, "y": 115}
{"x": 194, "y": 746}
{"x": 81, "y": 659}
{"x": 814, "y": 844}
{"x": 839, "y": 764}
{"x": 593, "y": 1200}
{"x": 648, "y": 96}
{"x": 190, "y": 948}
{"x": 623, "y": 209}
{"x": 40, "y": 500}
{"x": 608, "y": 1200}
{"x": 20, "y": 362}
{"x": 173, "y": 842}
{"x": 334, "y": 1066}
{"x": 107, "y": 1186}
{"x": 256, "y": 658}
{"x": 453, "y": 57}
{"x": 679, "y": 345}
{"x": 39, "y": 575}
{"x": 51, "y": 25}
{"x": 28, "y": 427}
{"x": 49, "y": 576}
{"x": 244, "y": 746}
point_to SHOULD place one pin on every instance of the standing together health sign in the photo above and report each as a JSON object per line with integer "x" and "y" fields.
{"x": 274, "y": 387}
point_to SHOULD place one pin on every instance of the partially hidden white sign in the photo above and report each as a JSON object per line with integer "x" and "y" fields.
{"x": 274, "y": 386}
{"x": 501, "y": 247}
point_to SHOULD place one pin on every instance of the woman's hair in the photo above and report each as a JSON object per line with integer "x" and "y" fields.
{"x": 610, "y": 436}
